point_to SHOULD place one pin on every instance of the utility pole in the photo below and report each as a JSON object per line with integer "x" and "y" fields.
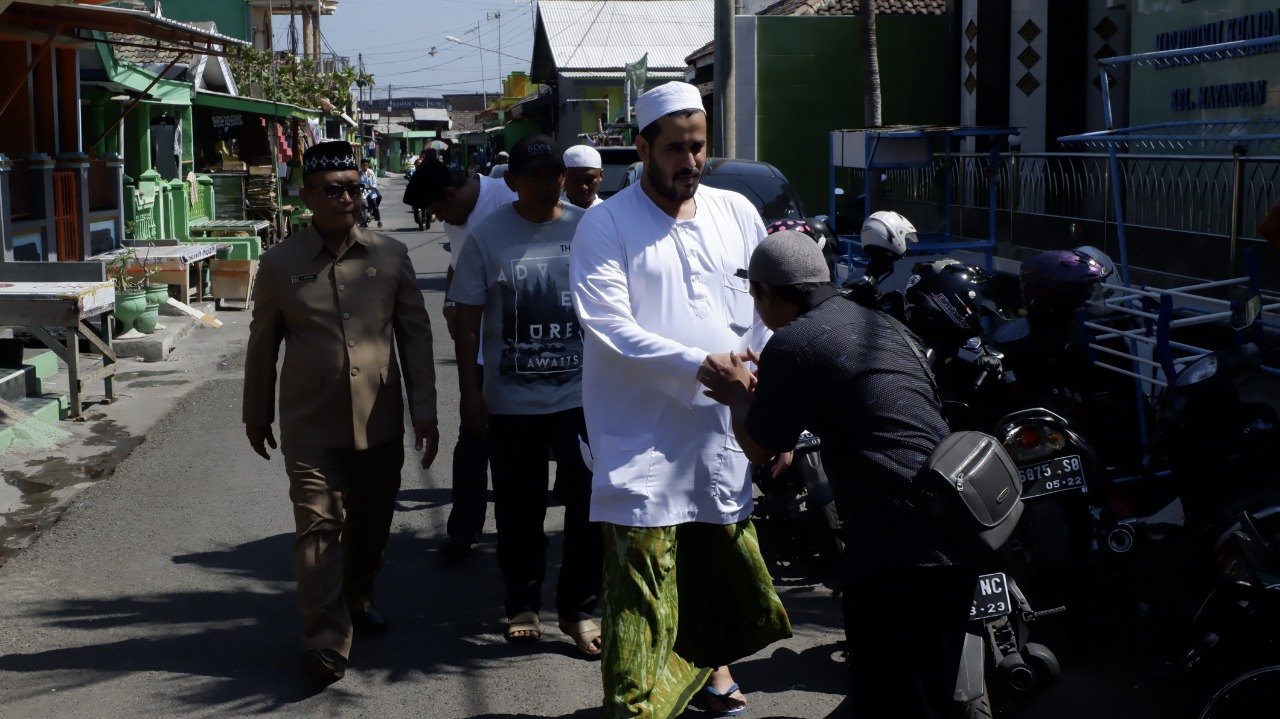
{"x": 726, "y": 128}
{"x": 484, "y": 94}
{"x": 388, "y": 120}
{"x": 498, "y": 16}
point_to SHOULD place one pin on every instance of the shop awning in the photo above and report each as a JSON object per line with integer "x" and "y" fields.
{"x": 252, "y": 105}
{"x": 409, "y": 134}
{"x": 80, "y": 20}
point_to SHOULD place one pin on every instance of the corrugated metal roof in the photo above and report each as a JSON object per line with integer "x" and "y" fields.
{"x": 609, "y": 34}
{"x": 854, "y": 7}
{"x": 430, "y": 114}
{"x": 617, "y": 74}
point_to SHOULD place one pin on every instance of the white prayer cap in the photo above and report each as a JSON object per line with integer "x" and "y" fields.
{"x": 666, "y": 99}
{"x": 583, "y": 156}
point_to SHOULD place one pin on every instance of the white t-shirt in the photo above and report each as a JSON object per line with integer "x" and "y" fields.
{"x": 493, "y": 194}
{"x": 519, "y": 272}
{"x": 655, "y": 296}
{"x": 594, "y": 202}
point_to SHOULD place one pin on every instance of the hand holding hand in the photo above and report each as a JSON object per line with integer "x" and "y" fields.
{"x": 721, "y": 374}
{"x": 259, "y": 434}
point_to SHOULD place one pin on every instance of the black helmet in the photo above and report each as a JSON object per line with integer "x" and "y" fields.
{"x": 1058, "y": 282}
{"x": 945, "y": 300}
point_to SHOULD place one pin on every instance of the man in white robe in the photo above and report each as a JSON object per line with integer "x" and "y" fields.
{"x": 654, "y": 284}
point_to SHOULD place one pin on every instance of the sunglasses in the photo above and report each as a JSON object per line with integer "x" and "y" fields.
{"x": 335, "y": 191}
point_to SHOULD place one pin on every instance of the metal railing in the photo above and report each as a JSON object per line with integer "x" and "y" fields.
{"x": 1196, "y": 195}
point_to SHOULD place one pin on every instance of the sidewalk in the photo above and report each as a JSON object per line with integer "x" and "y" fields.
{"x": 43, "y": 473}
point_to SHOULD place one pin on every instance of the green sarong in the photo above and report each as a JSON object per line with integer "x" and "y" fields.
{"x": 678, "y": 602}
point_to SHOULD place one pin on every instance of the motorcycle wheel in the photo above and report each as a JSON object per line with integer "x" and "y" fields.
{"x": 830, "y": 535}
{"x": 1243, "y": 696}
{"x": 979, "y": 708}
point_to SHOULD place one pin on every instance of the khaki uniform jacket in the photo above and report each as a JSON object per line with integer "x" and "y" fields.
{"x": 340, "y": 381}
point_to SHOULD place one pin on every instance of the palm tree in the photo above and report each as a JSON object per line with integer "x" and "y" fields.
{"x": 871, "y": 103}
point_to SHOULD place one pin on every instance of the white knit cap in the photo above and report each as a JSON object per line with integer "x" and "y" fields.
{"x": 583, "y": 156}
{"x": 666, "y": 99}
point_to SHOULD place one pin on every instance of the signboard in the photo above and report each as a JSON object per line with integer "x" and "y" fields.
{"x": 224, "y": 121}
{"x": 1245, "y": 86}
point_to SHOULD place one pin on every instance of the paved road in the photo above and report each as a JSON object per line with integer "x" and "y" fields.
{"x": 166, "y": 589}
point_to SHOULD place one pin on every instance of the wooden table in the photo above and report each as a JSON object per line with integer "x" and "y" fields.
{"x": 69, "y": 305}
{"x": 172, "y": 263}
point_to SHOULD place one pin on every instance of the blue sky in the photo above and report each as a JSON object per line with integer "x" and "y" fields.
{"x": 395, "y": 37}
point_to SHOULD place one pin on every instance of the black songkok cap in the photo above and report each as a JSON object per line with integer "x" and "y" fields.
{"x": 428, "y": 183}
{"x": 334, "y": 156}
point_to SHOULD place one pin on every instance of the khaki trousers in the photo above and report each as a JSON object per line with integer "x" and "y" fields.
{"x": 343, "y": 503}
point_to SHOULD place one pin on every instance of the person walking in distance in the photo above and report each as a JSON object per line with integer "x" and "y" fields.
{"x": 583, "y": 174}
{"x": 460, "y": 202}
{"x": 340, "y": 298}
{"x": 370, "y": 180}
{"x": 514, "y": 273}
{"x": 653, "y": 281}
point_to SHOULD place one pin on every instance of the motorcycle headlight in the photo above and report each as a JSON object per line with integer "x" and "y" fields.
{"x": 1029, "y": 443}
{"x": 1199, "y": 371}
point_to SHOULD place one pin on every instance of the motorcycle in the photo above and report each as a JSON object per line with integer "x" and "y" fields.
{"x": 997, "y": 657}
{"x": 366, "y": 208}
{"x": 800, "y": 501}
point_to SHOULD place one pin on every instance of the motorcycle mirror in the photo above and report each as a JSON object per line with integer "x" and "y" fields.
{"x": 1244, "y": 314}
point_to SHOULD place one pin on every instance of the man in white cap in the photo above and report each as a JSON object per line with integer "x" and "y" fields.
{"x": 652, "y": 273}
{"x": 500, "y": 166}
{"x": 584, "y": 171}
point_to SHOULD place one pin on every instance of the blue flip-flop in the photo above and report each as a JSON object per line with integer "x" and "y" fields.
{"x": 713, "y": 694}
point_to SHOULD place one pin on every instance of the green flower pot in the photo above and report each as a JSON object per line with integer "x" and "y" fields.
{"x": 129, "y": 306}
{"x": 157, "y": 294}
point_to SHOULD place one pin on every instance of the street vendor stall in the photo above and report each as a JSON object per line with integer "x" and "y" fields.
{"x": 170, "y": 265}
{"x": 70, "y": 306}
{"x": 242, "y": 143}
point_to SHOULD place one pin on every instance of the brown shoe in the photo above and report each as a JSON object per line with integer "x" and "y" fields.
{"x": 324, "y": 664}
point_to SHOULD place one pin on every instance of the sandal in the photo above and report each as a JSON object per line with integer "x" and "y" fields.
{"x": 584, "y": 633}
{"x": 713, "y": 698}
{"x": 527, "y": 624}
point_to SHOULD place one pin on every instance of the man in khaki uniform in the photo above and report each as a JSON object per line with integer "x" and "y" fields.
{"x": 338, "y": 296}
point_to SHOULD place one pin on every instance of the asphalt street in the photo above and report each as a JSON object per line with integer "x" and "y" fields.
{"x": 166, "y": 588}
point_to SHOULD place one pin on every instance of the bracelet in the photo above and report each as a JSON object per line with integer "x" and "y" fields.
{"x": 450, "y": 304}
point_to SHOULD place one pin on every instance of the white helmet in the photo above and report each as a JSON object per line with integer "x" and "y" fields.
{"x": 1105, "y": 289}
{"x": 889, "y": 231}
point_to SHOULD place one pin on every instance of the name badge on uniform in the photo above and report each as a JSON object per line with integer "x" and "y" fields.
{"x": 299, "y": 279}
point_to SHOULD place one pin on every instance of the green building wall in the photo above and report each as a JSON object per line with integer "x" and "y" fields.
{"x": 232, "y": 16}
{"x": 809, "y": 82}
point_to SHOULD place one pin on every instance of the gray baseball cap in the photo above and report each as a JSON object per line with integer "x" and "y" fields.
{"x": 787, "y": 258}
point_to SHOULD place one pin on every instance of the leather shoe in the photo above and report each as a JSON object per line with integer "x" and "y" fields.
{"x": 368, "y": 620}
{"x": 324, "y": 664}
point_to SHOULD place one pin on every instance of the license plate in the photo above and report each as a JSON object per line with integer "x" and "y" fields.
{"x": 1060, "y": 474}
{"x": 990, "y": 597}
{"x": 808, "y": 440}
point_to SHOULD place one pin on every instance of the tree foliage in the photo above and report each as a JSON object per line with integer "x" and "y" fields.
{"x": 292, "y": 79}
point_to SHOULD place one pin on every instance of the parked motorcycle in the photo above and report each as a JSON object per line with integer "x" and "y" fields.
{"x": 997, "y": 657}
{"x": 800, "y": 502}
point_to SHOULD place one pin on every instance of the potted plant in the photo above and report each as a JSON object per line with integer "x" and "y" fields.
{"x": 137, "y": 301}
